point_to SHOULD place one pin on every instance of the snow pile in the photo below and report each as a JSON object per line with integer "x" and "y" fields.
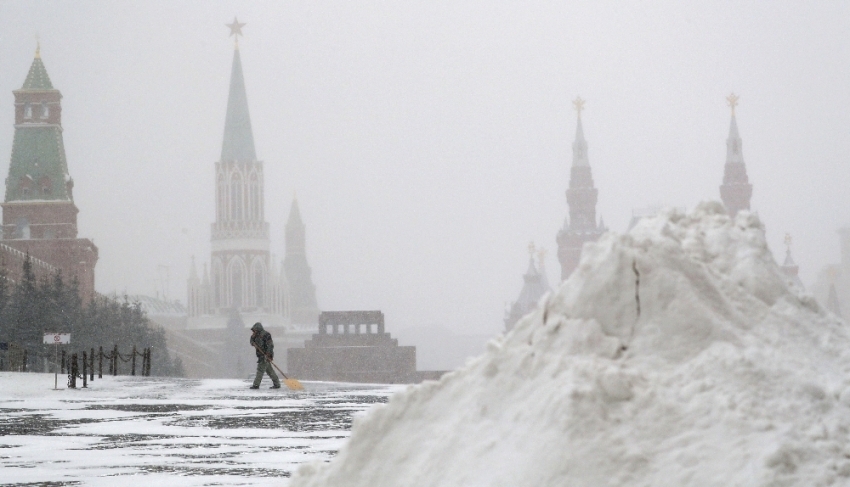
{"x": 674, "y": 355}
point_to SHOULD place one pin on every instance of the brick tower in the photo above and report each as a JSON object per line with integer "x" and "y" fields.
{"x": 736, "y": 189}
{"x": 580, "y": 226}
{"x": 39, "y": 214}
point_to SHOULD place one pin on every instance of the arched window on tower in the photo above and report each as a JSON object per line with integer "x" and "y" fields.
{"x": 220, "y": 203}
{"x": 259, "y": 283}
{"x": 236, "y": 197}
{"x": 255, "y": 197}
{"x": 28, "y": 111}
{"x": 45, "y": 111}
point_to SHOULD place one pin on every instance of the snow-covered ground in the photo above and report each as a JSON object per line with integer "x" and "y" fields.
{"x": 158, "y": 432}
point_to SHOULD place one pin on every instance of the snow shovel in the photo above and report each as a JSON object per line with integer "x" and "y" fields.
{"x": 290, "y": 383}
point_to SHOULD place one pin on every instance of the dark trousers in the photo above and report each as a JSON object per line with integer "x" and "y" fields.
{"x": 265, "y": 367}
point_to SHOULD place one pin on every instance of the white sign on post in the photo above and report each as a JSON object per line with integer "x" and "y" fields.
{"x": 57, "y": 338}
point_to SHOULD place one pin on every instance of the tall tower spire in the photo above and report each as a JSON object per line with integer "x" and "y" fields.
{"x": 241, "y": 264}
{"x": 736, "y": 190}
{"x": 582, "y": 195}
{"x": 238, "y": 143}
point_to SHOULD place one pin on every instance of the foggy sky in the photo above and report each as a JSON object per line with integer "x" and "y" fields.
{"x": 429, "y": 142}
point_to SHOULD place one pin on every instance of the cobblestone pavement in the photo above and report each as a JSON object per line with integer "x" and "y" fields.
{"x": 170, "y": 431}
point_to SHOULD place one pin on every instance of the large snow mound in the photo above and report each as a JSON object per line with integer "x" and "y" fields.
{"x": 674, "y": 355}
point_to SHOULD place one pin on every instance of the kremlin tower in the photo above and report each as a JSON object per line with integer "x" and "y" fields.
{"x": 243, "y": 283}
{"x": 581, "y": 225}
{"x": 39, "y": 214}
{"x": 240, "y": 268}
{"x": 736, "y": 189}
{"x": 296, "y": 271}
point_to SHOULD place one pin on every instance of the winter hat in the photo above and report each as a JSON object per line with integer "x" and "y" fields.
{"x": 257, "y": 327}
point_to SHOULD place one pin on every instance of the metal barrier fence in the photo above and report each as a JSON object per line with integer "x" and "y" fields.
{"x": 113, "y": 357}
{"x": 15, "y": 360}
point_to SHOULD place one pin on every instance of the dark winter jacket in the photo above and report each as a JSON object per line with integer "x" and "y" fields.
{"x": 263, "y": 339}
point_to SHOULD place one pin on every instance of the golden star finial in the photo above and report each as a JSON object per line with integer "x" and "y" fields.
{"x": 531, "y": 249}
{"x": 788, "y": 241}
{"x": 578, "y": 103}
{"x": 733, "y": 101}
{"x": 236, "y": 29}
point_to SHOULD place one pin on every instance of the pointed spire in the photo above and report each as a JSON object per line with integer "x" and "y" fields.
{"x": 193, "y": 271}
{"x": 734, "y": 153}
{"x": 295, "y": 232}
{"x": 294, "y": 214}
{"x": 579, "y": 145}
{"x": 238, "y": 141}
{"x": 206, "y": 279}
{"x": 37, "y": 78}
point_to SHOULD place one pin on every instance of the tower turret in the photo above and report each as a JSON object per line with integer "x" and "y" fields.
{"x": 736, "y": 190}
{"x": 302, "y": 292}
{"x": 534, "y": 287}
{"x": 789, "y": 267}
{"x": 581, "y": 226}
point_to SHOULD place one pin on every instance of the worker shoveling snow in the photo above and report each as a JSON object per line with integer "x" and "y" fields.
{"x": 674, "y": 355}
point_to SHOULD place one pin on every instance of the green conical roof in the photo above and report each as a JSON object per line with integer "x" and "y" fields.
{"x": 37, "y": 78}
{"x": 238, "y": 139}
{"x": 38, "y": 157}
